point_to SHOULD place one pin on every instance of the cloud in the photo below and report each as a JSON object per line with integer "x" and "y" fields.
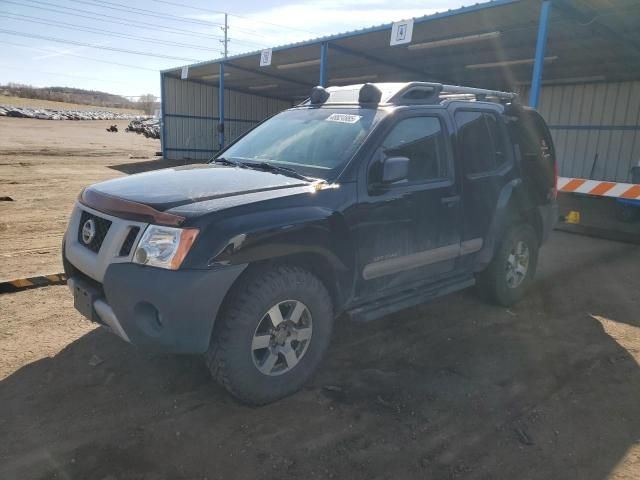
{"x": 61, "y": 52}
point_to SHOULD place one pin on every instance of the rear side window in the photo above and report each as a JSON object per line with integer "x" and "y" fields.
{"x": 533, "y": 138}
{"x": 536, "y": 150}
{"x": 422, "y": 141}
{"x": 481, "y": 141}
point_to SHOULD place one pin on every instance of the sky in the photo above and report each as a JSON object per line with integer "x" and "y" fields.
{"x": 119, "y": 46}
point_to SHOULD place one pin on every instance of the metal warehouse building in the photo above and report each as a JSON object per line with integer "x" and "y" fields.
{"x": 577, "y": 61}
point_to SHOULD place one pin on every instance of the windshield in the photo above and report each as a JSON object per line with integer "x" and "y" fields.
{"x": 315, "y": 141}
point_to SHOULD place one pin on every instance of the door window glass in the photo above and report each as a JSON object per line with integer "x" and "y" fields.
{"x": 422, "y": 141}
{"x": 481, "y": 141}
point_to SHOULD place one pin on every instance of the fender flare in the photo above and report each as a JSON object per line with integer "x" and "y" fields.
{"x": 503, "y": 211}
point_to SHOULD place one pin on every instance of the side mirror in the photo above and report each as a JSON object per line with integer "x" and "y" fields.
{"x": 395, "y": 169}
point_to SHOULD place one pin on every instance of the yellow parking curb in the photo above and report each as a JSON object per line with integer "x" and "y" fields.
{"x": 16, "y": 285}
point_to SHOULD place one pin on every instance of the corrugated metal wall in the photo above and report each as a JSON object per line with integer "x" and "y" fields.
{"x": 191, "y": 117}
{"x": 595, "y": 127}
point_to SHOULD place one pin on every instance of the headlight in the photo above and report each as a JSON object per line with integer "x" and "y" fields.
{"x": 164, "y": 247}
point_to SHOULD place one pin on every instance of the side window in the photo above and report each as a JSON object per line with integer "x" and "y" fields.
{"x": 536, "y": 147}
{"x": 481, "y": 141}
{"x": 422, "y": 141}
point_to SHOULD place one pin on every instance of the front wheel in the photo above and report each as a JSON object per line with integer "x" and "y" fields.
{"x": 271, "y": 334}
{"x": 513, "y": 267}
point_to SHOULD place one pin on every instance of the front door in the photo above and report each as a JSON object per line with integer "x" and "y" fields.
{"x": 408, "y": 232}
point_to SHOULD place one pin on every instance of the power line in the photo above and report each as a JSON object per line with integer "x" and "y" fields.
{"x": 69, "y": 54}
{"x": 100, "y": 47}
{"x": 15, "y": 67}
{"x": 237, "y": 16}
{"x": 103, "y": 17}
{"x": 142, "y": 11}
{"x": 71, "y": 26}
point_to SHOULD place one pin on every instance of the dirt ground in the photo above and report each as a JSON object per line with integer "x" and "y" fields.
{"x": 455, "y": 389}
{"x": 452, "y": 389}
{"x": 43, "y": 167}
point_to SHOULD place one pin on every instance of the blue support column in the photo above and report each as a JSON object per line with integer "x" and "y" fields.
{"x": 541, "y": 44}
{"x": 324, "y": 48}
{"x": 221, "y": 107}
{"x": 163, "y": 105}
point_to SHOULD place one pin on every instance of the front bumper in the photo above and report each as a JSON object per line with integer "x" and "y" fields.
{"x": 163, "y": 310}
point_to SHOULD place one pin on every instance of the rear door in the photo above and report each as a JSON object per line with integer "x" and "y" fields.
{"x": 485, "y": 156}
{"x": 408, "y": 232}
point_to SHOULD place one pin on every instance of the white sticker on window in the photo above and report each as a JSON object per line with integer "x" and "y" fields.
{"x": 343, "y": 118}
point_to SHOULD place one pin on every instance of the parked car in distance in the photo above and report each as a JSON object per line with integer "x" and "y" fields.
{"x": 359, "y": 202}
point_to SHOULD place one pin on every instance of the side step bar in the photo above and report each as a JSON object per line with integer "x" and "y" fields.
{"x": 408, "y": 298}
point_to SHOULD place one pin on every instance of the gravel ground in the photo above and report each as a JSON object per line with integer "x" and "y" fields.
{"x": 454, "y": 389}
{"x": 43, "y": 167}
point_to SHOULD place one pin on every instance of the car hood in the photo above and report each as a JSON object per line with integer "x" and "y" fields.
{"x": 174, "y": 187}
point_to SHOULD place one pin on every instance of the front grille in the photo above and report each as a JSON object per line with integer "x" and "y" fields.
{"x": 127, "y": 245}
{"x": 101, "y": 226}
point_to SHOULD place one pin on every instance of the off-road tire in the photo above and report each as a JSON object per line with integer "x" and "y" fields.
{"x": 492, "y": 282}
{"x": 230, "y": 357}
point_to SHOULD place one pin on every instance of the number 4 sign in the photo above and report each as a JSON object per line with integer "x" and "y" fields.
{"x": 401, "y": 32}
{"x": 265, "y": 57}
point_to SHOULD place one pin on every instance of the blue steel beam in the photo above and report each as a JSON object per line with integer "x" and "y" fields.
{"x": 221, "y": 108}
{"x": 541, "y": 44}
{"x": 163, "y": 112}
{"x": 324, "y": 47}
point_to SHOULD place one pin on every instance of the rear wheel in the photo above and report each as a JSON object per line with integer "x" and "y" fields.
{"x": 513, "y": 267}
{"x": 271, "y": 334}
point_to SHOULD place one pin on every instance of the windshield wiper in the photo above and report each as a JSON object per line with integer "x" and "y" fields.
{"x": 290, "y": 172}
{"x": 228, "y": 161}
{"x": 270, "y": 167}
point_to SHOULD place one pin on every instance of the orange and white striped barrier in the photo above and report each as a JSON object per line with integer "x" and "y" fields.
{"x": 598, "y": 187}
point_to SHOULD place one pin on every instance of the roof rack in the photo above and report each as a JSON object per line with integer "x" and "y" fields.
{"x": 428, "y": 92}
{"x": 409, "y": 93}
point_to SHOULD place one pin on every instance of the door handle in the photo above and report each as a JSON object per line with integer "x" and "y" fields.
{"x": 449, "y": 201}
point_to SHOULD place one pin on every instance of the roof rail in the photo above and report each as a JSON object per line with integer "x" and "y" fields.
{"x": 480, "y": 93}
{"x": 429, "y": 92}
{"x": 409, "y": 93}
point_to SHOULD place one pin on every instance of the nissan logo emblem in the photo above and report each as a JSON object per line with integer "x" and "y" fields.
{"x": 88, "y": 231}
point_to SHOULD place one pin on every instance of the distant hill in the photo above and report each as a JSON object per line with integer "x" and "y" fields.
{"x": 66, "y": 94}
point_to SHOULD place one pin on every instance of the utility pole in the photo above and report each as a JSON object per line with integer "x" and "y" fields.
{"x": 225, "y": 43}
{"x": 225, "y": 29}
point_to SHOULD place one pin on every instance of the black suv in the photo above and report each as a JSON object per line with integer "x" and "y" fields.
{"x": 362, "y": 201}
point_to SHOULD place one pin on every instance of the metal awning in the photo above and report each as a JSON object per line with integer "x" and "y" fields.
{"x": 488, "y": 45}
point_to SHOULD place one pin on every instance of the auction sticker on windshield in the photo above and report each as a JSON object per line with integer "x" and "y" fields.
{"x": 343, "y": 118}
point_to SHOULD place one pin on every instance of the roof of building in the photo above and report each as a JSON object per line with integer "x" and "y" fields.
{"x": 489, "y": 45}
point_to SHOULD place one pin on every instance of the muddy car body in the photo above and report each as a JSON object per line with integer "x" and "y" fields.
{"x": 361, "y": 201}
